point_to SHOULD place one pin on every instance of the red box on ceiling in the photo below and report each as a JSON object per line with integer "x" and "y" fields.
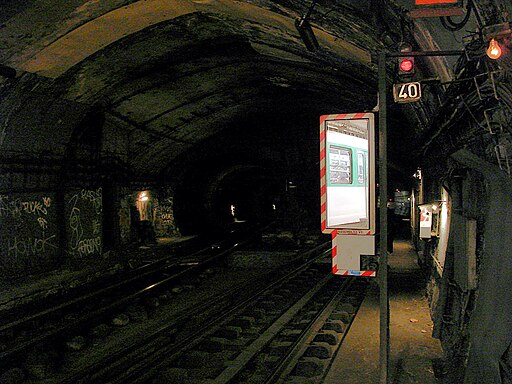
{"x": 431, "y": 2}
{"x": 436, "y": 8}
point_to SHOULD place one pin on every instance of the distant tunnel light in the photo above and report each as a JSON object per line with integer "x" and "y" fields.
{"x": 494, "y": 50}
{"x": 143, "y": 196}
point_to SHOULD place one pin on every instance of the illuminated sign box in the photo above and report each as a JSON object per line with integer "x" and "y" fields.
{"x": 437, "y": 8}
{"x": 347, "y": 173}
{"x": 432, "y": 2}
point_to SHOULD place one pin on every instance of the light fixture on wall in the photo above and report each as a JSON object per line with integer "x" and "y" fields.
{"x": 143, "y": 196}
{"x": 494, "y": 50}
{"x": 496, "y": 34}
{"x": 306, "y": 31}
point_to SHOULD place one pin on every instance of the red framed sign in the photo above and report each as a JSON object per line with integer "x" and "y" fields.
{"x": 347, "y": 173}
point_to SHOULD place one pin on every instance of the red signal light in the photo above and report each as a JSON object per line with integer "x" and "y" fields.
{"x": 406, "y": 65}
{"x": 405, "y": 62}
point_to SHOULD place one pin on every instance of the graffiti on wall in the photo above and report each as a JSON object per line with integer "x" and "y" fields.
{"x": 84, "y": 222}
{"x": 125, "y": 219}
{"x": 166, "y": 214}
{"x": 28, "y": 230}
{"x": 165, "y": 222}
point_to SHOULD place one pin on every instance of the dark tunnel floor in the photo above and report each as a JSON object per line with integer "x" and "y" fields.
{"x": 27, "y": 289}
{"x": 412, "y": 348}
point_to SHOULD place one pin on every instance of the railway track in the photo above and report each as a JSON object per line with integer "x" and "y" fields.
{"x": 191, "y": 321}
{"x": 293, "y": 337}
{"x": 56, "y": 326}
{"x": 262, "y": 330}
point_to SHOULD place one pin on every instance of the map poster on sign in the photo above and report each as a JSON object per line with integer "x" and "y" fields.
{"x": 347, "y": 173}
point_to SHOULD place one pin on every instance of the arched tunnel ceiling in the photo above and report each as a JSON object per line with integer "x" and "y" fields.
{"x": 170, "y": 74}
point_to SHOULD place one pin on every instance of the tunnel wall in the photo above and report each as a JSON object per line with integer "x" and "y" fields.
{"x": 41, "y": 230}
{"x": 29, "y": 233}
{"x": 51, "y": 196}
{"x": 470, "y": 297}
{"x": 67, "y": 194}
{"x": 490, "y": 318}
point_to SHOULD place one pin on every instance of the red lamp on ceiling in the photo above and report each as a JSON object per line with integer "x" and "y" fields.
{"x": 496, "y": 34}
{"x": 494, "y": 50}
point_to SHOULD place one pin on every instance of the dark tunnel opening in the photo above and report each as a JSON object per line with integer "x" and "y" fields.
{"x": 213, "y": 202}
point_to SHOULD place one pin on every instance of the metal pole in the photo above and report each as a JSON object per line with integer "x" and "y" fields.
{"x": 383, "y": 188}
{"x": 425, "y": 53}
{"x": 383, "y": 262}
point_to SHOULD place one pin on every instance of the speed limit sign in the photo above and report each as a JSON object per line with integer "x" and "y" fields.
{"x": 407, "y": 93}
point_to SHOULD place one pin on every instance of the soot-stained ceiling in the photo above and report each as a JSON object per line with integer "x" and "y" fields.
{"x": 187, "y": 81}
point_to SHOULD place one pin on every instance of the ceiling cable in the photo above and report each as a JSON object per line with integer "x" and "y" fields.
{"x": 454, "y": 26}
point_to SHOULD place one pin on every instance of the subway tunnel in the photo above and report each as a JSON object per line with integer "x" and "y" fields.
{"x": 154, "y": 98}
{"x": 193, "y": 115}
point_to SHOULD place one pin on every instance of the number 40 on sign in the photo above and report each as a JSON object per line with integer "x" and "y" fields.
{"x": 407, "y": 93}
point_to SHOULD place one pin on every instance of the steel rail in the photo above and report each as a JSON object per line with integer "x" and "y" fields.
{"x": 136, "y": 275}
{"x": 143, "y": 369}
{"x": 286, "y": 364}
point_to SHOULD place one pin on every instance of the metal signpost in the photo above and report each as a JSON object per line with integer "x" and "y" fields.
{"x": 348, "y": 184}
{"x": 403, "y": 93}
{"x": 383, "y": 259}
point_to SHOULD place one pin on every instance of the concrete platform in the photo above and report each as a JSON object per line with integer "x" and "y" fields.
{"x": 412, "y": 348}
